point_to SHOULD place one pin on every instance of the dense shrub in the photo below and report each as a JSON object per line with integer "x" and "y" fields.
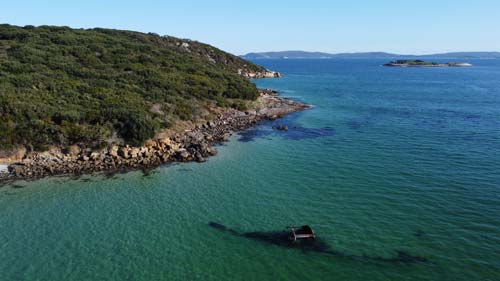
{"x": 63, "y": 86}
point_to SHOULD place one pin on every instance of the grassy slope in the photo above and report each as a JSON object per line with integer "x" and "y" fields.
{"x": 62, "y": 86}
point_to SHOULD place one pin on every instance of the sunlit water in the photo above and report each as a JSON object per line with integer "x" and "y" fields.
{"x": 389, "y": 159}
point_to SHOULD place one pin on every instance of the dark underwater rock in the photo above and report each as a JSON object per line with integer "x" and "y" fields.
{"x": 281, "y": 127}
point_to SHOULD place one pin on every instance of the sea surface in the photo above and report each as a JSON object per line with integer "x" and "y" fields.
{"x": 396, "y": 169}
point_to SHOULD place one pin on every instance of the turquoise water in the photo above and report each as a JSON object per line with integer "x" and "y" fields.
{"x": 388, "y": 159}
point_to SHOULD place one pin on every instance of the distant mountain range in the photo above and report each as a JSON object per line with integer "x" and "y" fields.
{"x": 320, "y": 55}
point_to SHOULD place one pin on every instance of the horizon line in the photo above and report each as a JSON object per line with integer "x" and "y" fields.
{"x": 369, "y": 52}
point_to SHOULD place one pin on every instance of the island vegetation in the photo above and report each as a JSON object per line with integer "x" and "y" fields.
{"x": 421, "y": 63}
{"x": 63, "y": 86}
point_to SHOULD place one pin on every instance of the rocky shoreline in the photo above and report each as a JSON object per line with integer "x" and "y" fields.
{"x": 259, "y": 75}
{"x": 194, "y": 144}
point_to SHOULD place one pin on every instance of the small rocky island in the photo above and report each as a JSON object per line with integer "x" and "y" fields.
{"x": 421, "y": 63}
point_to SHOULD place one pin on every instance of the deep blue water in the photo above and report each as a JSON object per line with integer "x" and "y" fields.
{"x": 387, "y": 160}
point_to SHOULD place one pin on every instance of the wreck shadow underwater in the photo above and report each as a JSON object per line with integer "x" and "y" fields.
{"x": 281, "y": 238}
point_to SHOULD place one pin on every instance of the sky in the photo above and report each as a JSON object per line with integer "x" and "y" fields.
{"x": 403, "y": 27}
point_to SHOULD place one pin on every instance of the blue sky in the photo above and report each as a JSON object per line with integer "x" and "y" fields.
{"x": 416, "y": 27}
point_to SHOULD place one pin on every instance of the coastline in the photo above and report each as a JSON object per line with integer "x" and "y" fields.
{"x": 195, "y": 143}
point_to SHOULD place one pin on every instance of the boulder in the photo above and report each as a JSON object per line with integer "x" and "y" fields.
{"x": 226, "y": 136}
{"x": 148, "y": 153}
{"x": 182, "y": 154}
{"x": 199, "y": 157}
{"x": 143, "y": 151}
{"x": 211, "y": 151}
{"x": 134, "y": 152}
{"x": 17, "y": 169}
{"x": 95, "y": 156}
{"x": 113, "y": 151}
{"x": 195, "y": 136}
{"x": 150, "y": 143}
{"x": 166, "y": 142}
{"x": 251, "y": 112}
{"x": 281, "y": 127}
{"x": 124, "y": 152}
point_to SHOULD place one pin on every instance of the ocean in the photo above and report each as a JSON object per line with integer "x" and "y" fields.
{"x": 397, "y": 170}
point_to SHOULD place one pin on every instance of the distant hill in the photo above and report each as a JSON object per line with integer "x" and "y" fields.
{"x": 320, "y": 55}
{"x": 470, "y": 55}
{"x": 287, "y": 54}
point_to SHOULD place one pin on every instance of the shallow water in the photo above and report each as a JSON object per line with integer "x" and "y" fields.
{"x": 388, "y": 160}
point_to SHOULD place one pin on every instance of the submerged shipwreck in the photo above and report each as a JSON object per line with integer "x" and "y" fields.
{"x": 304, "y": 238}
{"x": 299, "y": 233}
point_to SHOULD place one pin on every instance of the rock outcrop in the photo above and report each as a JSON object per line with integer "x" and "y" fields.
{"x": 281, "y": 127}
{"x": 260, "y": 74}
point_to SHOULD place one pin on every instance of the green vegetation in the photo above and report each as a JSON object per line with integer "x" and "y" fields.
{"x": 412, "y": 63}
{"x": 61, "y": 86}
{"x": 418, "y": 62}
{"x": 404, "y": 63}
